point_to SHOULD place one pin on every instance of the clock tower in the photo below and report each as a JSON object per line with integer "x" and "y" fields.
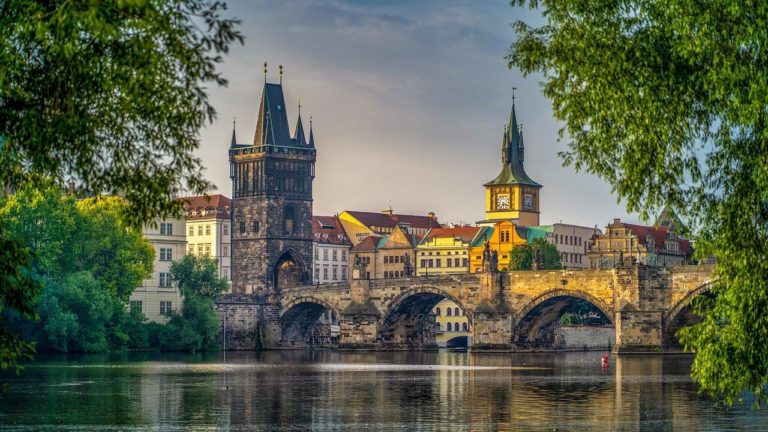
{"x": 512, "y": 195}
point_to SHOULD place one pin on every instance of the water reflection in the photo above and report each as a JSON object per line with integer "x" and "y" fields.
{"x": 328, "y": 390}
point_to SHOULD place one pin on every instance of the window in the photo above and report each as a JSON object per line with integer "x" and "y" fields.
{"x": 335, "y": 255}
{"x": 456, "y": 327}
{"x": 465, "y": 263}
{"x": 199, "y": 248}
{"x": 207, "y": 248}
{"x": 136, "y": 306}
{"x": 165, "y": 280}
{"x": 437, "y": 312}
{"x": 448, "y": 311}
{"x": 166, "y": 254}
{"x": 208, "y": 229}
{"x": 325, "y": 254}
{"x": 289, "y": 218}
{"x": 464, "y": 327}
{"x": 343, "y": 255}
{"x": 448, "y": 327}
{"x": 456, "y": 312}
{"x": 225, "y": 272}
{"x": 317, "y": 274}
{"x": 456, "y": 262}
{"x": 190, "y": 249}
{"x": 423, "y": 263}
{"x": 437, "y": 328}
{"x": 166, "y": 228}
{"x": 343, "y": 272}
{"x": 225, "y": 250}
{"x": 255, "y": 227}
{"x": 199, "y": 230}
{"x": 191, "y": 231}
{"x": 438, "y": 262}
{"x": 242, "y": 227}
{"x": 325, "y": 272}
{"x": 335, "y": 272}
{"x": 225, "y": 229}
{"x": 165, "y": 307}
{"x": 448, "y": 262}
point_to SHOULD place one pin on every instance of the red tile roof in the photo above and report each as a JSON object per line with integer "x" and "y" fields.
{"x": 328, "y": 230}
{"x": 659, "y": 237}
{"x": 371, "y": 219}
{"x": 207, "y": 206}
{"x": 465, "y": 233}
{"x": 367, "y": 245}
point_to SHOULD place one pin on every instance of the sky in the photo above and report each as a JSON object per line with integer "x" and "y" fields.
{"x": 409, "y": 100}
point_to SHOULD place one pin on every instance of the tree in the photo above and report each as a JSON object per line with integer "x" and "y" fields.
{"x": 521, "y": 256}
{"x": 665, "y": 100}
{"x": 111, "y": 95}
{"x": 198, "y": 276}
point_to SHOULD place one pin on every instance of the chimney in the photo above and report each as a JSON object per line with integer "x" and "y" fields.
{"x": 432, "y": 215}
{"x": 387, "y": 211}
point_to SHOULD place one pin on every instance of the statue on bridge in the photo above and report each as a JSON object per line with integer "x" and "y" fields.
{"x": 494, "y": 262}
{"x": 358, "y": 268}
{"x": 486, "y": 257}
{"x": 407, "y": 267}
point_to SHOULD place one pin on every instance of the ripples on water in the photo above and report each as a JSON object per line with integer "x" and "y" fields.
{"x": 329, "y": 391}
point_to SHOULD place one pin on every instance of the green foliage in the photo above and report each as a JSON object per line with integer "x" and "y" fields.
{"x": 666, "y": 101}
{"x": 521, "y": 257}
{"x": 570, "y": 319}
{"x": 198, "y": 276}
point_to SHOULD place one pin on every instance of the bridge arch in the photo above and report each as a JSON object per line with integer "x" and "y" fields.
{"x": 300, "y": 315}
{"x": 288, "y": 270}
{"x": 407, "y": 321}
{"x": 535, "y": 322}
{"x": 684, "y": 303}
{"x": 681, "y": 315}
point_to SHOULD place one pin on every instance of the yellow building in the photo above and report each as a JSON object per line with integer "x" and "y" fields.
{"x": 385, "y": 257}
{"x": 452, "y": 325}
{"x": 512, "y": 195}
{"x": 446, "y": 250}
{"x": 502, "y": 238}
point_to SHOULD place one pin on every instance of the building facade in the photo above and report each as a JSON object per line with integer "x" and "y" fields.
{"x": 358, "y": 225}
{"x": 446, "y": 250}
{"x": 272, "y": 201}
{"x": 501, "y": 238}
{"x": 157, "y": 296}
{"x": 625, "y": 244}
{"x": 385, "y": 257}
{"x": 512, "y": 195}
{"x": 451, "y": 325}
{"x": 572, "y": 241}
{"x": 330, "y": 250}
{"x": 209, "y": 229}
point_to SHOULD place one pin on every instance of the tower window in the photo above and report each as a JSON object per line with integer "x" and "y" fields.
{"x": 242, "y": 227}
{"x": 289, "y": 219}
{"x": 255, "y": 226}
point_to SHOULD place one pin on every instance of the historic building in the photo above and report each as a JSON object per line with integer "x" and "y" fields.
{"x": 572, "y": 241}
{"x": 625, "y": 244}
{"x": 272, "y": 201}
{"x": 512, "y": 195}
{"x": 330, "y": 249}
{"x": 209, "y": 229}
{"x": 501, "y": 238}
{"x": 157, "y": 296}
{"x": 385, "y": 257}
{"x": 358, "y": 225}
{"x": 452, "y": 325}
{"x": 446, "y": 250}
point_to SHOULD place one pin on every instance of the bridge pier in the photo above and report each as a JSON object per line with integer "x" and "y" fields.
{"x": 641, "y": 295}
{"x": 492, "y": 331}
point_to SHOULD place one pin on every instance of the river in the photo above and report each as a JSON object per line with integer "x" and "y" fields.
{"x": 386, "y": 391}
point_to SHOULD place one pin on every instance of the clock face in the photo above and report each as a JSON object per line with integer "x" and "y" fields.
{"x": 502, "y": 202}
{"x": 528, "y": 201}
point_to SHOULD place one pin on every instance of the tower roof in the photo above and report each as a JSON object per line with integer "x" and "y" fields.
{"x": 272, "y": 126}
{"x": 298, "y": 136}
{"x": 512, "y": 170}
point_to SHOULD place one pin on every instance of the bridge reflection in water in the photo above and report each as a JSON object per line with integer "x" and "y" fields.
{"x": 328, "y": 390}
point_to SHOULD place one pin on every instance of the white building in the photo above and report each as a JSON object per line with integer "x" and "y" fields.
{"x": 330, "y": 250}
{"x": 572, "y": 241}
{"x": 157, "y": 296}
{"x": 209, "y": 229}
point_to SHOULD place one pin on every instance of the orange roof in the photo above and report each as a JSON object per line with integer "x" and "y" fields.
{"x": 465, "y": 233}
{"x": 328, "y": 230}
{"x": 390, "y": 221}
{"x": 207, "y": 206}
{"x": 367, "y": 245}
{"x": 659, "y": 237}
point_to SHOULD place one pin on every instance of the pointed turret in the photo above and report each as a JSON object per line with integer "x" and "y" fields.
{"x": 505, "y": 146}
{"x": 298, "y": 135}
{"x": 311, "y": 134}
{"x": 233, "y": 143}
{"x": 521, "y": 147}
{"x": 513, "y": 155}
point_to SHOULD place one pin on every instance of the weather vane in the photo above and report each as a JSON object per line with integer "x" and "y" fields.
{"x": 265, "y": 71}
{"x": 281, "y": 73}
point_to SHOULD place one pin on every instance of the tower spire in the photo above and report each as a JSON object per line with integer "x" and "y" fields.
{"x": 299, "y": 133}
{"x": 234, "y": 138}
{"x": 311, "y": 134}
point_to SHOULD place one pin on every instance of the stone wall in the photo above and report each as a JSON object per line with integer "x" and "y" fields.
{"x": 248, "y": 321}
{"x": 584, "y": 337}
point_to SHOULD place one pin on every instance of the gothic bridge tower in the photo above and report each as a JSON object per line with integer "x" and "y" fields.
{"x": 272, "y": 201}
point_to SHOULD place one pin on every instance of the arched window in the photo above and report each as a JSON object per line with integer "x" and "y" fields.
{"x": 456, "y": 326}
{"x": 448, "y": 326}
{"x": 289, "y": 217}
{"x": 438, "y": 327}
{"x": 448, "y": 311}
{"x": 464, "y": 327}
{"x": 456, "y": 312}
{"x": 437, "y": 312}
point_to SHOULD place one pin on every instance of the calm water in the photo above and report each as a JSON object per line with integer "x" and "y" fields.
{"x": 301, "y": 391}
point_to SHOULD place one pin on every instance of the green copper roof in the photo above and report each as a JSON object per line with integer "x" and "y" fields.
{"x": 512, "y": 157}
{"x": 538, "y": 232}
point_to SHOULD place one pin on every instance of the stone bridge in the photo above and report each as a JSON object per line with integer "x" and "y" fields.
{"x": 646, "y": 305}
